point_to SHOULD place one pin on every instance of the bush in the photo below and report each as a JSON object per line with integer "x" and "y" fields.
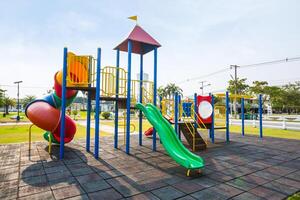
{"x": 106, "y": 115}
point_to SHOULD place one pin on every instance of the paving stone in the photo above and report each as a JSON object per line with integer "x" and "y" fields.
{"x": 63, "y": 182}
{"x": 247, "y": 196}
{"x": 295, "y": 176}
{"x": 79, "y": 197}
{"x": 167, "y": 193}
{"x": 226, "y": 190}
{"x": 266, "y": 175}
{"x": 280, "y": 187}
{"x": 188, "y": 187}
{"x": 218, "y": 176}
{"x": 143, "y": 196}
{"x": 110, "y": 174}
{"x": 60, "y": 168}
{"x": 9, "y": 189}
{"x": 69, "y": 191}
{"x": 110, "y": 194}
{"x": 205, "y": 182}
{"x": 289, "y": 182}
{"x": 35, "y": 181}
{"x": 188, "y": 197}
{"x": 241, "y": 184}
{"x": 44, "y": 195}
{"x": 251, "y": 178}
{"x": 29, "y": 190}
{"x": 151, "y": 184}
{"x": 267, "y": 193}
{"x": 208, "y": 194}
{"x": 125, "y": 186}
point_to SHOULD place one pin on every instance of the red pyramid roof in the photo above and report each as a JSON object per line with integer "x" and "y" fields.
{"x": 142, "y": 42}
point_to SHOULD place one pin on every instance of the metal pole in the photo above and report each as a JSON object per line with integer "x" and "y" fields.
{"x": 179, "y": 117}
{"x": 212, "y": 128}
{"x": 141, "y": 101}
{"x": 260, "y": 116}
{"x": 128, "y": 98}
{"x": 117, "y": 100}
{"x": 195, "y": 109}
{"x": 63, "y": 105}
{"x": 97, "y": 110}
{"x": 176, "y": 113}
{"x": 18, "y": 100}
{"x": 227, "y": 116}
{"x": 243, "y": 116}
{"x": 88, "y": 121}
{"x": 154, "y": 95}
{"x": 4, "y": 109}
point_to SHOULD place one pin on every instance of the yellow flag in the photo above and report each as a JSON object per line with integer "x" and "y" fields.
{"x": 135, "y": 18}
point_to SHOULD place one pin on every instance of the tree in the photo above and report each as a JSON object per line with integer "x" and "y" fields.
{"x": 171, "y": 89}
{"x": 291, "y": 97}
{"x": 240, "y": 86}
{"x": 258, "y": 87}
{"x": 8, "y": 102}
{"x": 1, "y": 97}
{"x": 161, "y": 91}
{"x": 28, "y": 99}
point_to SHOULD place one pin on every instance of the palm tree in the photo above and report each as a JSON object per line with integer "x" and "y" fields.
{"x": 171, "y": 89}
{"x": 162, "y": 92}
{"x": 28, "y": 99}
{"x": 8, "y": 102}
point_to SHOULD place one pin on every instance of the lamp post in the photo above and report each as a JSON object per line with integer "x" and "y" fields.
{"x": 18, "y": 94}
{"x": 202, "y": 86}
{"x": 4, "y": 99}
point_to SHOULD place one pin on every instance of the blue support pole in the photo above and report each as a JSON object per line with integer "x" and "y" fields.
{"x": 154, "y": 95}
{"x": 196, "y": 109}
{"x": 160, "y": 100}
{"x": 141, "y": 101}
{"x": 97, "y": 118}
{"x": 243, "y": 115}
{"x": 212, "y": 129}
{"x": 176, "y": 114}
{"x": 128, "y": 98}
{"x": 88, "y": 121}
{"x": 260, "y": 116}
{"x": 179, "y": 117}
{"x": 89, "y": 108}
{"x": 117, "y": 100}
{"x": 227, "y": 116}
{"x": 63, "y": 105}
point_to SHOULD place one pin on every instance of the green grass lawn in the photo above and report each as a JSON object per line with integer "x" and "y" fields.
{"x": 7, "y": 118}
{"x": 19, "y": 133}
{"x": 267, "y": 132}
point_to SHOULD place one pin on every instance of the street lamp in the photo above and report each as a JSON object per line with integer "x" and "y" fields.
{"x": 4, "y": 99}
{"x": 18, "y": 94}
{"x": 202, "y": 86}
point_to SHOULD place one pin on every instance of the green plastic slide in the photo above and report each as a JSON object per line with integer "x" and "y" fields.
{"x": 169, "y": 139}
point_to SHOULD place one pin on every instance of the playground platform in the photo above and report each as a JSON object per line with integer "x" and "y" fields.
{"x": 247, "y": 168}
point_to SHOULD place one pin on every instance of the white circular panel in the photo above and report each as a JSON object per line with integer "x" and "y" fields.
{"x": 205, "y": 109}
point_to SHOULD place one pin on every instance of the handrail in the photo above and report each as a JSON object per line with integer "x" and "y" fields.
{"x": 198, "y": 118}
{"x": 192, "y": 132}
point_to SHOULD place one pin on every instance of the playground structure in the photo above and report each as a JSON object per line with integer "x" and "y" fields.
{"x": 84, "y": 73}
{"x": 190, "y": 118}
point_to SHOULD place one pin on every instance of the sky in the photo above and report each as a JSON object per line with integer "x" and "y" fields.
{"x": 198, "y": 37}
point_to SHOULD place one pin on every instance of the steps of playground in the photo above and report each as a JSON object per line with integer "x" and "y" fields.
{"x": 199, "y": 142}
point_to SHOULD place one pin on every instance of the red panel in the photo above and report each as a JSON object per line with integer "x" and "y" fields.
{"x": 204, "y": 98}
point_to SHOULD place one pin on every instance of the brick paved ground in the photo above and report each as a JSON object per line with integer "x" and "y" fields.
{"x": 247, "y": 168}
